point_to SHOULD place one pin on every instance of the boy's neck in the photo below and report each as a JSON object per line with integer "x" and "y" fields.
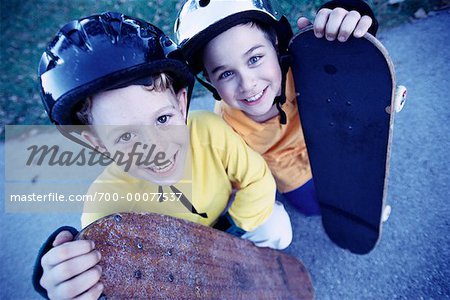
{"x": 272, "y": 112}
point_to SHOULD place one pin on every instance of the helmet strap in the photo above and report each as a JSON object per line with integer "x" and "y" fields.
{"x": 190, "y": 89}
{"x": 79, "y": 141}
{"x": 184, "y": 200}
{"x": 284, "y": 61}
{"x": 209, "y": 87}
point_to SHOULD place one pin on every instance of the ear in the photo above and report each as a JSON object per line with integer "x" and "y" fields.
{"x": 93, "y": 140}
{"x": 277, "y": 46}
{"x": 182, "y": 101}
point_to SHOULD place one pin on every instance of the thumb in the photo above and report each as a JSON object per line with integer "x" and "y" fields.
{"x": 62, "y": 237}
{"x": 302, "y": 22}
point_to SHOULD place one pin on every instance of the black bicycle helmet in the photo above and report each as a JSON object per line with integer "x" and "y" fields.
{"x": 101, "y": 52}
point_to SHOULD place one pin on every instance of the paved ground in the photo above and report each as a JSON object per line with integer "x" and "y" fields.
{"x": 413, "y": 259}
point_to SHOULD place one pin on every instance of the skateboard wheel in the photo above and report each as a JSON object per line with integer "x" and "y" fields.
{"x": 386, "y": 213}
{"x": 400, "y": 98}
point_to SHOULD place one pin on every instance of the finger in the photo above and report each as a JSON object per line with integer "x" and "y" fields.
{"x": 363, "y": 26}
{"x": 66, "y": 251}
{"x": 93, "y": 293}
{"x": 73, "y": 267}
{"x": 320, "y": 22}
{"x": 334, "y": 23}
{"x": 44, "y": 282}
{"x": 62, "y": 237}
{"x": 302, "y": 22}
{"x": 348, "y": 25}
{"x": 79, "y": 284}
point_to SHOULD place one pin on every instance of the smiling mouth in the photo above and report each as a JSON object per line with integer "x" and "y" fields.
{"x": 165, "y": 168}
{"x": 254, "y": 99}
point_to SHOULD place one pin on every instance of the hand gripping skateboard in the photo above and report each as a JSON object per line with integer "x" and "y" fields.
{"x": 150, "y": 256}
{"x": 347, "y": 101}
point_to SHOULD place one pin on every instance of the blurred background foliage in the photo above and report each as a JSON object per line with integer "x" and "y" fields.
{"x": 27, "y": 25}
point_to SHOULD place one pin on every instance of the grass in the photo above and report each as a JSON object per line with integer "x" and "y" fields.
{"x": 26, "y": 27}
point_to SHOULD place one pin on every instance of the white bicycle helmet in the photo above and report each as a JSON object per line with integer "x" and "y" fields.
{"x": 199, "y": 21}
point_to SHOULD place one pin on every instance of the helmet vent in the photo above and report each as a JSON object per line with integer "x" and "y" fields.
{"x": 112, "y": 24}
{"x": 76, "y": 38}
{"x": 74, "y": 34}
{"x": 146, "y": 31}
{"x": 100, "y": 52}
{"x": 203, "y": 3}
{"x": 53, "y": 61}
{"x": 177, "y": 24}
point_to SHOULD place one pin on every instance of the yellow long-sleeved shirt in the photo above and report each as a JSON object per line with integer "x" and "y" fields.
{"x": 221, "y": 162}
{"x": 282, "y": 146}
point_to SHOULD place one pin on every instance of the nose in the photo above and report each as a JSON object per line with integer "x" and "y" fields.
{"x": 152, "y": 136}
{"x": 166, "y": 142}
{"x": 247, "y": 82}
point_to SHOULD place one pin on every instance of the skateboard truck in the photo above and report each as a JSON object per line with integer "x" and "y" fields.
{"x": 399, "y": 99}
{"x": 386, "y": 213}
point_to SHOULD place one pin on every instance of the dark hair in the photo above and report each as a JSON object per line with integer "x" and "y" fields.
{"x": 268, "y": 31}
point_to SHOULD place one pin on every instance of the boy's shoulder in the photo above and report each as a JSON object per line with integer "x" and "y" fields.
{"x": 206, "y": 121}
{"x": 207, "y": 127}
{"x": 202, "y": 116}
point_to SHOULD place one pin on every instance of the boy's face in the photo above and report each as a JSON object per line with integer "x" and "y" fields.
{"x": 242, "y": 64}
{"x": 138, "y": 120}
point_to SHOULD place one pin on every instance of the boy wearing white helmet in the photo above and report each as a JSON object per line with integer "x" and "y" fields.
{"x": 121, "y": 75}
{"x": 240, "y": 46}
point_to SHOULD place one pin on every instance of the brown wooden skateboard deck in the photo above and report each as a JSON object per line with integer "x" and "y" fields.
{"x": 146, "y": 256}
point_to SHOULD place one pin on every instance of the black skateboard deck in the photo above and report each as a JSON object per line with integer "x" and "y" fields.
{"x": 150, "y": 256}
{"x": 345, "y": 93}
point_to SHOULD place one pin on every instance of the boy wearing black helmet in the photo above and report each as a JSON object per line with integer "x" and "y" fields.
{"x": 111, "y": 69}
{"x": 241, "y": 45}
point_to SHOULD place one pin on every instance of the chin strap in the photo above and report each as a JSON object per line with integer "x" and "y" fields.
{"x": 284, "y": 33}
{"x": 278, "y": 103}
{"x": 285, "y": 61}
{"x": 67, "y": 134}
{"x": 185, "y": 201}
{"x": 190, "y": 90}
{"x": 209, "y": 87}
